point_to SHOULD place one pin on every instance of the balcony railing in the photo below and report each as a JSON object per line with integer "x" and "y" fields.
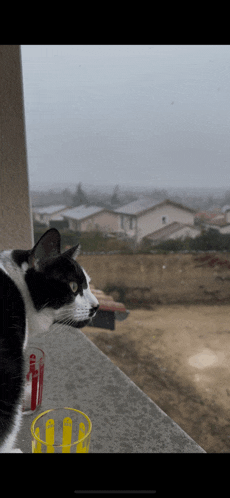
{"x": 124, "y": 419}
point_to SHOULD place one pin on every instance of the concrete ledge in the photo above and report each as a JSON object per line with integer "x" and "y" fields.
{"x": 125, "y": 420}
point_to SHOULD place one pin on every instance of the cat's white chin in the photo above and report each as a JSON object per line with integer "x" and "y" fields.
{"x": 73, "y": 323}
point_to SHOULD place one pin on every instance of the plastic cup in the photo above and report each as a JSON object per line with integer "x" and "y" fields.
{"x": 61, "y": 430}
{"x": 34, "y": 367}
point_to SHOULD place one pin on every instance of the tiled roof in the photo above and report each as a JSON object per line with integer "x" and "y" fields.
{"x": 81, "y": 212}
{"x": 144, "y": 203}
{"x": 217, "y": 221}
{"x": 165, "y": 232}
{"x": 49, "y": 209}
{"x": 205, "y": 215}
{"x": 106, "y": 302}
{"x": 136, "y": 207}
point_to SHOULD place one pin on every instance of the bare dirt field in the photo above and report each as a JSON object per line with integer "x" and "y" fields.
{"x": 146, "y": 279}
{"x": 179, "y": 355}
{"x": 175, "y": 344}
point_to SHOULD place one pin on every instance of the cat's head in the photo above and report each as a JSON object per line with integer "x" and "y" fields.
{"x": 57, "y": 282}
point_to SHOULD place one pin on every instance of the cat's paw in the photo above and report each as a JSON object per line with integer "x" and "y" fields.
{"x": 16, "y": 450}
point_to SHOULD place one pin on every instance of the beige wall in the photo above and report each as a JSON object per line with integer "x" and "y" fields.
{"x": 15, "y": 211}
{"x": 74, "y": 225}
{"x": 105, "y": 221}
{"x": 152, "y": 220}
{"x": 130, "y": 232}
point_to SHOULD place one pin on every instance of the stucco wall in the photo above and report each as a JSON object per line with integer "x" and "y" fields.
{"x": 105, "y": 221}
{"x": 152, "y": 220}
{"x": 15, "y": 211}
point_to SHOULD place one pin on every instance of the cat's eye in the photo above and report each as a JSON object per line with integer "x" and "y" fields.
{"x": 73, "y": 286}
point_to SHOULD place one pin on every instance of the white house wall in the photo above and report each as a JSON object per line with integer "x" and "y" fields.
{"x": 152, "y": 220}
{"x": 227, "y": 216}
{"x": 225, "y": 229}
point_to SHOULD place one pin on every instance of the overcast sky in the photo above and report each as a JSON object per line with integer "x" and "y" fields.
{"x": 135, "y": 115}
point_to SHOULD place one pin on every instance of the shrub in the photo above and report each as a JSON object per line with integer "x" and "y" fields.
{"x": 97, "y": 241}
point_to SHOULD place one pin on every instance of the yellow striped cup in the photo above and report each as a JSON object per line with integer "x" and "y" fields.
{"x": 61, "y": 430}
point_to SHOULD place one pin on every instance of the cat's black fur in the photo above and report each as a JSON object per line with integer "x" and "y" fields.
{"x": 37, "y": 288}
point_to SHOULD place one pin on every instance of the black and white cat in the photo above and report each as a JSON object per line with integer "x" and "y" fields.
{"x": 38, "y": 287}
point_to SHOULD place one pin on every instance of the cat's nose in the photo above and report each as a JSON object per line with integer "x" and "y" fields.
{"x": 93, "y": 310}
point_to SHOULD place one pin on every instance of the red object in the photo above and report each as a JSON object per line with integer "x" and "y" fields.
{"x": 106, "y": 303}
{"x": 41, "y": 373}
{"x": 34, "y": 380}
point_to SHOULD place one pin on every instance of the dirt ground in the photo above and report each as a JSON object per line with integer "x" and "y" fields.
{"x": 179, "y": 355}
{"x": 161, "y": 279}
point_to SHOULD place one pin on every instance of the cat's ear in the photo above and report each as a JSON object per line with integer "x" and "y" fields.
{"x": 47, "y": 247}
{"x": 73, "y": 252}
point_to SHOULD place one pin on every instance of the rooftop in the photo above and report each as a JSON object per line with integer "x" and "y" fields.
{"x": 146, "y": 203}
{"x": 81, "y": 212}
{"x": 205, "y": 215}
{"x": 136, "y": 207}
{"x": 49, "y": 209}
{"x": 165, "y": 232}
{"x": 218, "y": 221}
{"x": 106, "y": 302}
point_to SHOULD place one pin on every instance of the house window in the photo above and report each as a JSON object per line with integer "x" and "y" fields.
{"x": 164, "y": 220}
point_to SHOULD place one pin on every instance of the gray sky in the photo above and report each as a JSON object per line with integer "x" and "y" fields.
{"x": 135, "y": 115}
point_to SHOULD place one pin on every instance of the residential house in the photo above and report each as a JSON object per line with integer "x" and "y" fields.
{"x": 134, "y": 220}
{"x": 204, "y": 216}
{"x": 145, "y": 216}
{"x": 220, "y": 221}
{"x": 47, "y": 213}
{"x": 86, "y": 218}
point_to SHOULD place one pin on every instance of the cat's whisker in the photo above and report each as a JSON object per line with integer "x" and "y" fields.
{"x": 44, "y": 306}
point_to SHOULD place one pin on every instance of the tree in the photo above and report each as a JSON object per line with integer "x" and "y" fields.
{"x": 67, "y": 197}
{"x": 79, "y": 197}
{"x": 115, "y": 199}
